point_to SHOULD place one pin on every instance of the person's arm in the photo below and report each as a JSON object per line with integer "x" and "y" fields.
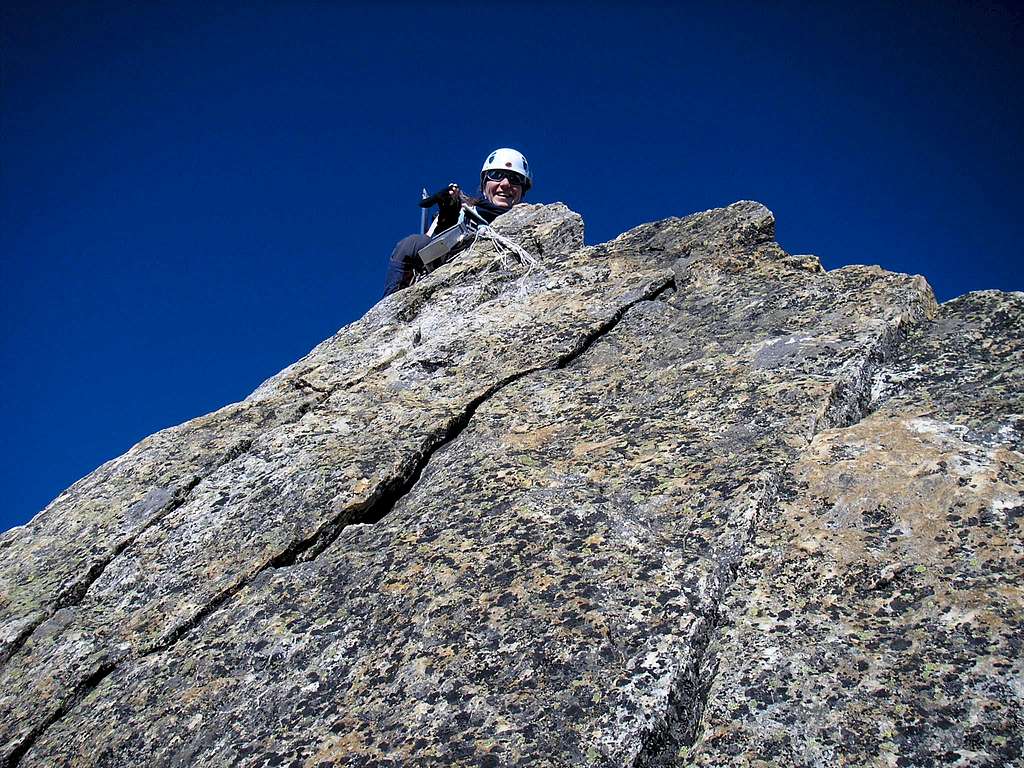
{"x": 448, "y": 201}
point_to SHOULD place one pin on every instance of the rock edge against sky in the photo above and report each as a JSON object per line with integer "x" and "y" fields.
{"x": 681, "y": 498}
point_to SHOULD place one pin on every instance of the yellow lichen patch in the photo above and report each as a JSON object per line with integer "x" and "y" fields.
{"x": 903, "y": 474}
{"x": 533, "y": 438}
{"x": 337, "y": 750}
{"x": 598, "y": 446}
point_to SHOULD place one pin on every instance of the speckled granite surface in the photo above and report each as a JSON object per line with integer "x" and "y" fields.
{"x": 678, "y": 498}
{"x": 880, "y": 609}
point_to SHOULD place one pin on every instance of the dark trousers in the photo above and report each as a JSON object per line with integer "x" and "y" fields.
{"x": 403, "y": 260}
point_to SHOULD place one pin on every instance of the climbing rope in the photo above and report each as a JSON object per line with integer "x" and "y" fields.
{"x": 511, "y": 255}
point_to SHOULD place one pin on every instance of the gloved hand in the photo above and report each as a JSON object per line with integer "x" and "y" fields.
{"x": 446, "y": 197}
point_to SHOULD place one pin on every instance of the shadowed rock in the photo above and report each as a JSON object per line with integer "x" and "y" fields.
{"x": 501, "y": 519}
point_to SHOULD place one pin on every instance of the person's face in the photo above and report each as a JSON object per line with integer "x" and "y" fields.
{"x": 504, "y": 193}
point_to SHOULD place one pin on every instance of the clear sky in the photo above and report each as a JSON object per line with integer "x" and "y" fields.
{"x": 195, "y": 194}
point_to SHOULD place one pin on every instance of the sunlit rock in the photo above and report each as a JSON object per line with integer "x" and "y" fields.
{"x": 680, "y": 498}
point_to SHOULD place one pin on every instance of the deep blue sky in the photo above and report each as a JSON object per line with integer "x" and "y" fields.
{"x": 194, "y": 195}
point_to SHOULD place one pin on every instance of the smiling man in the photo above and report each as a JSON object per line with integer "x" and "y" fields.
{"x": 505, "y": 179}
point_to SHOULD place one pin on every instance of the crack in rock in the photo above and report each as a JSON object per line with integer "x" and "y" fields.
{"x": 75, "y": 593}
{"x": 680, "y": 434}
{"x": 380, "y": 506}
{"x": 691, "y": 688}
{"x": 370, "y": 512}
{"x": 13, "y": 758}
{"x": 849, "y": 401}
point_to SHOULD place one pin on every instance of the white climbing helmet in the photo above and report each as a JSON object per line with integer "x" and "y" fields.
{"x": 506, "y": 159}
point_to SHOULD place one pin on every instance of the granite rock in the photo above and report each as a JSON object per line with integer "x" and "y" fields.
{"x": 679, "y": 498}
{"x": 880, "y": 610}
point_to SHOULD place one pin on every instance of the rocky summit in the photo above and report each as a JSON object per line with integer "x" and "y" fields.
{"x": 678, "y": 499}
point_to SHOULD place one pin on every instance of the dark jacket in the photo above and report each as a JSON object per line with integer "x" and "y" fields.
{"x": 449, "y": 215}
{"x": 405, "y": 258}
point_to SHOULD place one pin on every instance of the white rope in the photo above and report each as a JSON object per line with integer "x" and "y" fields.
{"x": 511, "y": 255}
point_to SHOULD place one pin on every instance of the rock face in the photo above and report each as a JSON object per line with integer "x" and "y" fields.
{"x": 677, "y": 499}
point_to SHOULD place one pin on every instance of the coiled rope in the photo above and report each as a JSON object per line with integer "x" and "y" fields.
{"x": 511, "y": 255}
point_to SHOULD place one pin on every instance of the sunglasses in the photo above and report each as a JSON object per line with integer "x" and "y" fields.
{"x": 498, "y": 174}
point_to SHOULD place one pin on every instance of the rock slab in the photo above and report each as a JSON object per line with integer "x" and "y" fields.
{"x": 677, "y": 499}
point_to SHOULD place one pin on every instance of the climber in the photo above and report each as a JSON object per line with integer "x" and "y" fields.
{"x": 504, "y": 180}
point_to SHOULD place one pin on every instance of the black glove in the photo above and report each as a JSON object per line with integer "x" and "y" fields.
{"x": 443, "y": 198}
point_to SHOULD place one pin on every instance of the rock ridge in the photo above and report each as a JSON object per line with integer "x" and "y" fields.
{"x": 539, "y": 516}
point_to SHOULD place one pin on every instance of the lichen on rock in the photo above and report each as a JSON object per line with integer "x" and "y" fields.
{"x": 679, "y": 498}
